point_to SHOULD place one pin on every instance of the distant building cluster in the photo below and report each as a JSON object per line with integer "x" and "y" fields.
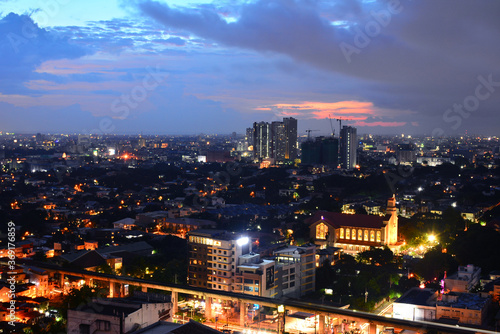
{"x": 275, "y": 140}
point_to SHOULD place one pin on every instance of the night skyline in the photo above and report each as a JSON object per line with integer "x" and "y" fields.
{"x": 391, "y": 67}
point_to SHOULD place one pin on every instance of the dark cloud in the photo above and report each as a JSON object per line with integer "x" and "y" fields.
{"x": 24, "y": 46}
{"x": 422, "y": 55}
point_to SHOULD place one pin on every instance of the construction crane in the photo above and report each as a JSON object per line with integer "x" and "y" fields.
{"x": 331, "y": 125}
{"x": 340, "y": 123}
{"x": 309, "y": 133}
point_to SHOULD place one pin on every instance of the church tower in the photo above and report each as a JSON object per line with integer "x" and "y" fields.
{"x": 391, "y": 231}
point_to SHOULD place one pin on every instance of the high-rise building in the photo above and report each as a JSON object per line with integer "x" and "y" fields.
{"x": 277, "y": 140}
{"x": 249, "y": 136}
{"x": 348, "y": 147}
{"x": 290, "y": 138}
{"x": 262, "y": 140}
{"x": 322, "y": 151}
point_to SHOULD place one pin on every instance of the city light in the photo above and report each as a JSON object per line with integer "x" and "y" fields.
{"x": 242, "y": 241}
{"x": 431, "y": 238}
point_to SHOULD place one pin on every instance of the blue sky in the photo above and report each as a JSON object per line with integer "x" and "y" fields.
{"x": 180, "y": 67}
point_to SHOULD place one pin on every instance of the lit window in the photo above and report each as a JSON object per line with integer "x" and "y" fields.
{"x": 321, "y": 231}
{"x": 366, "y": 235}
{"x": 353, "y": 234}
{"x": 360, "y": 234}
{"x": 378, "y": 236}
{"x": 372, "y": 236}
{"x": 348, "y": 233}
{"x": 341, "y": 233}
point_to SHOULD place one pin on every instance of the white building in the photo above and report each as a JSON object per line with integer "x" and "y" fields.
{"x": 116, "y": 316}
{"x": 464, "y": 280}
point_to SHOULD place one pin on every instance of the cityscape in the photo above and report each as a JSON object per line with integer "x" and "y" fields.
{"x": 257, "y": 167}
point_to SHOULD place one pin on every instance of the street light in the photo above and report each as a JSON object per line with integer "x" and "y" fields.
{"x": 281, "y": 314}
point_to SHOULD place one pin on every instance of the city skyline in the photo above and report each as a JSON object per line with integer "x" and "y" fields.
{"x": 384, "y": 67}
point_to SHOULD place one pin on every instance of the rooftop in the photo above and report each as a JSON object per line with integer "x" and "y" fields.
{"x": 338, "y": 220}
{"x": 416, "y": 296}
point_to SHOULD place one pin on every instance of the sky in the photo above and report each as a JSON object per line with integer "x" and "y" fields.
{"x": 426, "y": 67}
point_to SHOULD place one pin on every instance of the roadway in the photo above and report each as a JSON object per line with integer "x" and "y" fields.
{"x": 290, "y": 304}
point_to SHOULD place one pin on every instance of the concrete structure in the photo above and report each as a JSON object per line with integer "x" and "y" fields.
{"x": 464, "y": 280}
{"x": 348, "y": 147}
{"x": 262, "y": 140}
{"x": 328, "y": 315}
{"x": 429, "y": 305}
{"x": 406, "y": 154}
{"x": 355, "y": 233}
{"x": 277, "y": 141}
{"x": 116, "y": 316}
{"x": 296, "y": 270}
{"x": 255, "y": 276}
{"x": 213, "y": 258}
{"x": 322, "y": 151}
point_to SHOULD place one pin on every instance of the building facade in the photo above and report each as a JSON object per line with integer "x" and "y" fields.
{"x": 276, "y": 140}
{"x": 348, "y": 147}
{"x": 355, "y": 233}
{"x": 220, "y": 260}
{"x": 296, "y": 270}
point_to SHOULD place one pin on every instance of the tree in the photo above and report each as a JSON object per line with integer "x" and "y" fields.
{"x": 434, "y": 264}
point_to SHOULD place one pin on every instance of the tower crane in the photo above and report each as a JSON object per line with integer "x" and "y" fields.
{"x": 340, "y": 123}
{"x": 331, "y": 125}
{"x": 309, "y": 133}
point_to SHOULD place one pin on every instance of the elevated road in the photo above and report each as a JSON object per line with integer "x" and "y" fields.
{"x": 289, "y": 304}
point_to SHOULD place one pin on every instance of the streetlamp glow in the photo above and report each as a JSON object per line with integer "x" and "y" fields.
{"x": 242, "y": 241}
{"x": 431, "y": 238}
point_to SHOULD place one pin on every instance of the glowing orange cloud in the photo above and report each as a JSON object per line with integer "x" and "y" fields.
{"x": 322, "y": 110}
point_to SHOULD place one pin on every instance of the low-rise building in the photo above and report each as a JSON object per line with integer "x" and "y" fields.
{"x": 117, "y": 316}
{"x": 464, "y": 280}
{"x": 429, "y": 305}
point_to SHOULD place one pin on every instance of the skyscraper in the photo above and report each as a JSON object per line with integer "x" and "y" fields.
{"x": 277, "y": 140}
{"x": 322, "y": 151}
{"x": 290, "y": 138}
{"x": 262, "y": 140}
{"x": 348, "y": 147}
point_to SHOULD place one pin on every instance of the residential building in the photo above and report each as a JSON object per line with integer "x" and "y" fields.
{"x": 322, "y": 151}
{"x": 465, "y": 308}
{"x": 429, "y": 305}
{"x": 262, "y": 140}
{"x": 117, "y": 316}
{"x": 464, "y": 280}
{"x": 213, "y": 258}
{"x": 290, "y": 138}
{"x": 348, "y": 147}
{"x": 406, "y": 154}
{"x": 295, "y": 270}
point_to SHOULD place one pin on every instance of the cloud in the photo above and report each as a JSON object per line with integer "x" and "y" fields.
{"x": 24, "y": 46}
{"x": 425, "y": 59}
